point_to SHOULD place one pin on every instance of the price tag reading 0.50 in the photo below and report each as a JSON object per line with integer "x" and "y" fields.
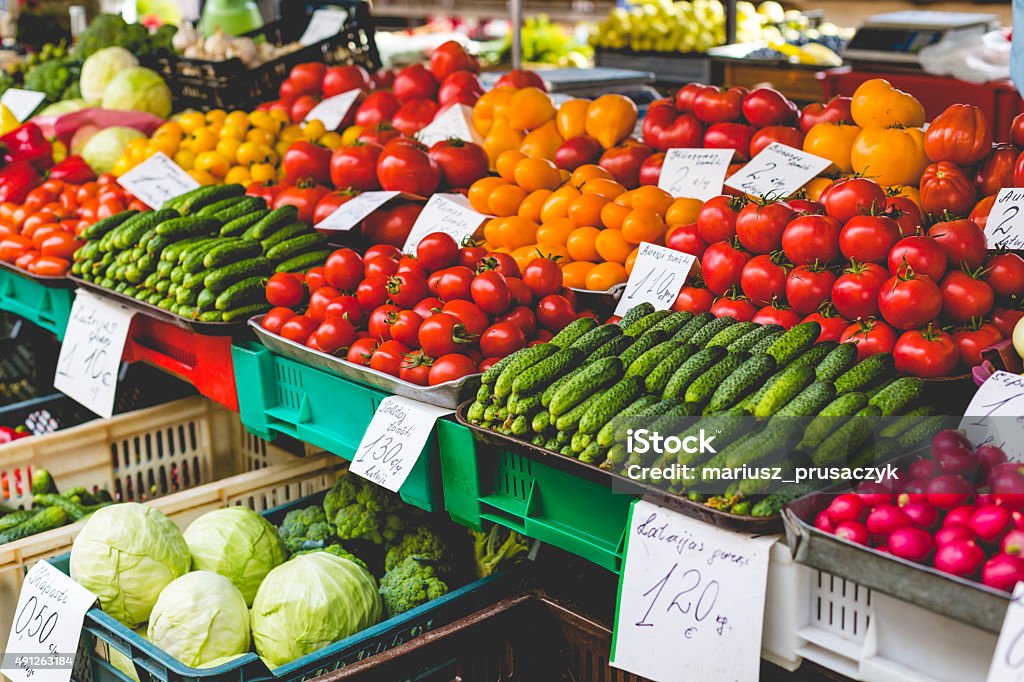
{"x": 35, "y": 621}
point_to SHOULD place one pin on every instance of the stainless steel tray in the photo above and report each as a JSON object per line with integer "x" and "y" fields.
{"x": 448, "y": 394}
{"x": 962, "y": 600}
{"x": 61, "y": 282}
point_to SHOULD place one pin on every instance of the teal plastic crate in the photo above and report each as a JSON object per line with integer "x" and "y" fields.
{"x": 45, "y": 305}
{"x": 277, "y": 395}
{"x": 487, "y": 482}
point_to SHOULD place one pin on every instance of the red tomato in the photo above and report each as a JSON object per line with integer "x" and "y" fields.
{"x": 414, "y": 116}
{"x": 461, "y": 163}
{"x": 469, "y": 256}
{"x": 267, "y": 191}
{"x": 285, "y": 289}
{"x": 773, "y": 314}
{"x": 580, "y": 150}
{"x": 414, "y": 82}
{"x": 275, "y": 318}
{"x": 437, "y": 250}
{"x": 996, "y": 170}
{"x": 906, "y": 214}
{"x": 59, "y": 244}
{"x": 923, "y": 255}
{"x": 501, "y": 339}
{"x": 543, "y": 276}
{"x": 946, "y": 187}
{"x": 871, "y": 336}
{"x": 307, "y": 77}
{"x": 624, "y": 163}
{"x": 343, "y": 269}
{"x": 687, "y": 239}
{"x": 500, "y": 262}
{"x": 378, "y": 324}
{"x": 650, "y": 169}
{"x": 832, "y": 326}
{"x": 13, "y": 246}
{"x": 1005, "y": 319}
{"x": 855, "y": 292}
{"x": 716, "y": 220}
{"x": 299, "y": 328}
{"x": 415, "y": 369}
{"x": 345, "y": 78}
{"x": 807, "y": 287}
{"x": 686, "y": 95}
{"x": 909, "y": 300}
{"x": 333, "y": 334}
{"x": 835, "y": 111}
{"x": 764, "y": 107}
{"x": 451, "y": 367}
{"x": 304, "y": 197}
{"x": 347, "y": 307}
{"x": 355, "y": 166}
{"x": 787, "y": 135}
{"x": 523, "y": 295}
{"x": 381, "y": 133}
{"x": 391, "y": 226}
{"x": 49, "y": 266}
{"x": 554, "y": 311}
{"x": 665, "y": 127}
{"x": 25, "y": 260}
{"x": 460, "y": 87}
{"x": 372, "y": 292}
{"x": 868, "y": 238}
{"x": 361, "y": 351}
{"x": 314, "y": 278}
{"x": 965, "y": 297}
{"x": 716, "y": 105}
{"x": 470, "y": 314}
{"x": 522, "y": 317}
{"x": 522, "y": 78}
{"x": 759, "y": 228}
{"x": 721, "y": 266}
{"x": 318, "y": 301}
{"x": 810, "y": 238}
{"x": 428, "y": 306}
{"x": 738, "y": 308}
{"x": 1006, "y": 274}
{"x": 378, "y": 107}
{"x": 452, "y": 283}
{"x": 443, "y": 333}
{"x": 388, "y": 357}
{"x": 407, "y": 168}
{"x": 490, "y": 291}
{"x": 404, "y": 326}
{"x": 925, "y": 353}
{"x": 301, "y": 106}
{"x": 379, "y": 265}
{"x": 449, "y": 57}
{"x": 972, "y": 340}
{"x": 306, "y": 160}
{"x": 385, "y": 250}
{"x": 694, "y": 300}
{"x": 853, "y": 197}
{"x": 406, "y": 289}
{"x": 735, "y": 136}
{"x": 763, "y": 280}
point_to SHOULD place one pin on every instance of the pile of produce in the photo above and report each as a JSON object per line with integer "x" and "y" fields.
{"x": 220, "y": 47}
{"x": 50, "y": 508}
{"x": 661, "y": 366}
{"x": 234, "y": 583}
{"x": 957, "y": 509}
{"x": 444, "y": 314}
{"x": 204, "y": 255}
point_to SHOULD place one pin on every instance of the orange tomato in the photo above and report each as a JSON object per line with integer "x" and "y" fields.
{"x": 33, "y": 222}
{"x": 574, "y": 274}
{"x": 524, "y": 254}
{"x": 654, "y": 198}
{"x": 489, "y": 107}
{"x": 49, "y": 266}
{"x": 815, "y": 186}
{"x": 586, "y": 209}
{"x": 532, "y": 204}
{"x": 604, "y": 276}
{"x": 7, "y": 209}
{"x": 533, "y": 174}
{"x": 683, "y": 211}
{"x": 506, "y": 162}
{"x": 611, "y": 119}
{"x": 543, "y": 142}
{"x": 571, "y": 119}
{"x": 492, "y": 232}
{"x": 25, "y": 260}
{"x": 581, "y": 244}
{"x": 631, "y": 260}
{"x": 516, "y": 232}
{"x": 60, "y": 244}
{"x": 501, "y": 138}
{"x": 480, "y": 192}
{"x": 612, "y": 215}
{"x": 42, "y": 232}
{"x": 643, "y": 225}
{"x": 504, "y": 201}
{"x": 557, "y": 205}
{"x": 555, "y": 231}
{"x": 529, "y": 108}
{"x": 588, "y": 171}
{"x": 609, "y": 189}
{"x": 612, "y": 246}
{"x": 545, "y": 249}
{"x": 13, "y": 246}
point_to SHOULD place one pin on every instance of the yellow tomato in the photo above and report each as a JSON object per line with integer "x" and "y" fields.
{"x": 192, "y": 121}
{"x": 202, "y": 177}
{"x": 890, "y": 156}
{"x": 260, "y": 136}
{"x": 228, "y": 147}
{"x": 232, "y": 131}
{"x": 832, "y": 141}
{"x": 214, "y": 163}
{"x": 238, "y": 118}
{"x": 351, "y": 134}
{"x": 291, "y": 133}
{"x": 877, "y": 103}
{"x": 173, "y": 128}
{"x": 314, "y": 129}
{"x": 165, "y": 143}
{"x": 249, "y": 153}
{"x": 122, "y": 166}
{"x": 529, "y": 108}
{"x": 280, "y": 116}
{"x": 185, "y": 158}
{"x": 611, "y": 119}
{"x": 262, "y": 172}
{"x": 216, "y": 116}
{"x": 135, "y": 149}
{"x": 683, "y": 211}
{"x": 543, "y": 142}
{"x": 332, "y": 140}
{"x": 571, "y": 118}
{"x": 204, "y": 140}
{"x": 264, "y": 121}
{"x": 491, "y": 108}
{"x": 239, "y": 175}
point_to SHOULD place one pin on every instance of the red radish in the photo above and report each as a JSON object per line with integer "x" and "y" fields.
{"x": 923, "y": 468}
{"x": 989, "y": 456}
{"x": 961, "y": 516}
{"x": 950, "y": 438}
{"x": 824, "y": 522}
{"x": 886, "y": 518}
{"x": 913, "y": 491}
{"x": 873, "y": 493}
{"x": 956, "y": 460}
{"x": 1002, "y": 572}
{"x": 853, "y": 531}
{"x": 883, "y": 549}
{"x": 959, "y": 558}
{"x": 984, "y": 499}
{"x": 1008, "y": 486}
{"x": 957, "y": 533}
{"x": 948, "y": 491}
{"x": 991, "y": 522}
{"x": 894, "y": 481}
{"x": 911, "y": 543}
{"x": 1018, "y": 519}
{"x": 922, "y": 514}
{"x": 847, "y": 507}
{"x": 1013, "y": 542}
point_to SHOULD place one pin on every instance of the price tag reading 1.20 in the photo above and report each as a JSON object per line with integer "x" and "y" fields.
{"x": 691, "y": 597}
{"x": 994, "y": 415}
{"x": 1008, "y": 660}
{"x": 46, "y": 627}
{"x": 779, "y": 170}
{"x": 658, "y": 275}
{"x": 1005, "y": 226}
{"x": 156, "y": 180}
{"x": 90, "y": 355}
{"x": 394, "y": 440}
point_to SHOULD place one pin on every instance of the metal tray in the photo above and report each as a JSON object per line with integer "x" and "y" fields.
{"x": 150, "y": 310}
{"x": 962, "y": 600}
{"x": 601, "y": 302}
{"x": 740, "y": 523}
{"x": 448, "y": 394}
{"x": 62, "y": 282}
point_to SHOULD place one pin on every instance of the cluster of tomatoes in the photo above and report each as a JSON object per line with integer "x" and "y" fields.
{"x": 444, "y": 314}
{"x": 39, "y": 235}
{"x": 861, "y": 264}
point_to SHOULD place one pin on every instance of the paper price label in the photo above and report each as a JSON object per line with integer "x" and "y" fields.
{"x": 333, "y": 110}
{"x": 1005, "y": 226}
{"x": 691, "y": 597}
{"x": 694, "y": 173}
{"x": 324, "y": 24}
{"x": 450, "y": 213}
{"x": 996, "y": 414}
{"x": 46, "y": 627}
{"x": 658, "y": 275}
{"x": 156, "y": 180}
{"x": 394, "y": 440}
{"x": 90, "y": 355}
{"x": 22, "y": 103}
{"x": 778, "y": 170}
{"x": 349, "y": 214}
{"x": 1008, "y": 659}
{"x": 454, "y": 122}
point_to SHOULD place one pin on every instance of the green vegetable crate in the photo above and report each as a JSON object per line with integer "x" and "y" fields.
{"x": 277, "y": 395}
{"x": 101, "y": 631}
{"x": 44, "y": 301}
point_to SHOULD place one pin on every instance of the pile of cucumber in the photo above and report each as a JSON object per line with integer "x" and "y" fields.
{"x": 661, "y": 366}
{"x": 50, "y": 509}
{"x": 205, "y": 255}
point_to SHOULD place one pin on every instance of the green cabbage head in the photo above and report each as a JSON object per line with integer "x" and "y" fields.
{"x": 239, "y": 544}
{"x": 100, "y": 68}
{"x": 125, "y": 555}
{"x": 309, "y": 602}
{"x": 104, "y": 148}
{"x": 200, "y": 617}
{"x": 140, "y": 89}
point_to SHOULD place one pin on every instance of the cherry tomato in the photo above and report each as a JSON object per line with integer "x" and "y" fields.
{"x": 299, "y": 328}
{"x": 315, "y": 278}
{"x": 963, "y": 240}
{"x": 379, "y": 322}
{"x": 343, "y": 269}
{"x": 285, "y": 289}
{"x": 759, "y": 227}
{"x": 923, "y": 255}
{"x": 411, "y": 265}
{"x": 832, "y": 326}
{"x": 303, "y": 196}
{"x": 522, "y": 317}
{"x": 490, "y": 291}
{"x": 451, "y": 283}
{"x": 333, "y": 334}
{"x": 443, "y": 333}
{"x": 502, "y": 262}
{"x": 361, "y": 351}
{"x": 345, "y": 306}
{"x": 415, "y": 369}
{"x": 543, "y": 276}
{"x": 406, "y": 289}
{"x": 451, "y": 367}
{"x": 437, "y": 250}
{"x": 275, "y": 318}
{"x": 372, "y": 292}
{"x": 501, "y": 339}
{"x": 469, "y": 256}
{"x": 25, "y": 260}
{"x": 554, "y": 311}
{"x": 428, "y": 306}
{"x": 405, "y": 327}
{"x": 60, "y": 244}
{"x": 716, "y": 220}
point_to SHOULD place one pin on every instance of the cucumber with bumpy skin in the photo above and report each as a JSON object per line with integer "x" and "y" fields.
{"x": 573, "y": 331}
{"x": 708, "y": 331}
{"x": 839, "y": 359}
{"x": 868, "y": 372}
{"x": 596, "y": 338}
{"x": 523, "y": 359}
{"x": 815, "y": 354}
{"x": 614, "y": 347}
{"x": 641, "y": 345}
{"x": 540, "y": 375}
{"x": 649, "y": 359}
{"x": 743, "y": 381}
{"x": 671, "y": 324}
{"x": 898, "y": 396}
{"x": 695, "y": 324}
{"x": 732, "y": 333}
{"x": 636, "y": 313}
{"x": 700, "y": 391}
{"x": 584, "y": 384}
{"x": 765, "y": 343}
{"x": 795, "y": 341}
{"x": 192, "y": 201}
{"x": 658, "y": 377}
{"x": 614, "y": 400}
{"x": 687, "y": 373}
{"x": 605, "y": 436}
{"x": 786, "y": 387}
{"x": 303, "y": 261}
{"x": 645, "y": 323}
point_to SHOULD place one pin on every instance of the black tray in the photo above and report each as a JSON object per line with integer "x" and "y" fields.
{"x": 61, "y": 282}
{"x": 741, "y": 523}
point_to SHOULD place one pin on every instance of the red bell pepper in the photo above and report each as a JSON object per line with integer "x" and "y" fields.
{"x": 28, "y": 143}
{"x": 73, "y": 169}
{"x": 16, "y": 180}
{"x": 7, "y": 434}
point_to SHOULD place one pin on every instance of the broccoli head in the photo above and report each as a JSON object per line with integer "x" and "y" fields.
{"x": 361, "y": 510}
{"x": 306, "y": 529}
{"x": 107, "y": 30}
{"x": 496, "y": 547}
{"x": 410, "y": 584}
{"x": 422, "y": 543}
{"x": 340, "y": 551}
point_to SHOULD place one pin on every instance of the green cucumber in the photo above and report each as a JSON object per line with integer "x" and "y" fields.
{"x": 695, "y": 324}
{"x": 766, "y": 342}
{"x": 700, "y": 391}
{"x": 750, "y": 375}
{"x": 613, "y": 347}
{"x": 814, "y": 355}
{"x": 238, "y": 226}
{"x": 658, "y": 377}
{"x": 809, "y": 401}
{"x": 899, "y": 396}
{"x": 244, "y": 312}
{"x": 596, "y": 338}
{"x": 649, "y": 359}
{"x": 180, "y": 228}
{"x": 194, "y": 200}
{"x": 798, "y": 339}
{"x": 732, "y": 333}
{"x": 522, "y": 360}
{"x": 270, "y": 222}
{"x": 708, "y": 331}
{"x": 303, "y": 261}
{"x": 614, "y": 400}
{"x": 791, "y": 381}
{"x": 585, "y": 383}
{"x": 693, "y": 367}
{"x": 538, "y": 377}
{"x": 868, "y": 372}
{"x": 671, "y": 324}
{"x": 295, "y": 246}
{"x": 283, "y": 234}
{"x": 643, "y": 343}
{"x": 102, "y": 227}
{"x": 231, "y": 252}
{"x": 221, "y": 278}
{"x": 573, "y": 331}
{"x": 636, "y": 313}
{"x": 605, "y": 436}
{"x": 645, "y": 323}
{"x": 840, "y": 359}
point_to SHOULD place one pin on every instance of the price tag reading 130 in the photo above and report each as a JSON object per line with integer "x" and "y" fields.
{"x": 394, "y": 440}
{"x": 658, "y": 275}
{"x": 778, "y": 170}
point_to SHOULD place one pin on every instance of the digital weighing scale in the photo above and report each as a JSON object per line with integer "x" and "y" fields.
{"x": 899, "y": 37}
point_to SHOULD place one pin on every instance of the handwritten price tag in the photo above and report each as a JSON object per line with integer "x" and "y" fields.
{"x": 995, "y": 414}
{"x": 394, "y": 440}
{"x": 90, "y": 355}
{"x": 1005, "y": 226}
{"x": 22, "y": 103}
{"x": 778, "y": 170}
{"x": 454, "y": 122}
{"x": 46, "y": 627}
{"x": 156, "y": 180}
{"x": 695, "y": 173}
{"x": 1008, "y": 659}
{"x": 324, "y": 24}
{"x": 691, "y": 597}
{"x": 349, "y": 214}
{"x": 333, "y": 110}
{"x": 657, "y": 277}
{"x": 449, "y": 213}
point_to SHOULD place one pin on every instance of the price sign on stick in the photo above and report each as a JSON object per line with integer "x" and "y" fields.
{"x": 333, "y": 110}
{"x": 46, "y": 627}
{"x": 348, "y": 215}
{"x": 156, "y": 180}
{"x": 22, "y": 103}
{"x": 658, "y": 275}
{"x": 995, "y": 414}
{"x": 394, "y": 440}
{"x": 691, "y": 597}
{"x": 449, "y": 213}
{"x": 1008, "y": 660}
{"x": 694, "y": 173}
{"x": 324, "y": 24}
{"x": 90, "y": 355}
{"x": 454, "y": 122}
{"x": 1005, "y": 226}
{"x": 778, "y": 170}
